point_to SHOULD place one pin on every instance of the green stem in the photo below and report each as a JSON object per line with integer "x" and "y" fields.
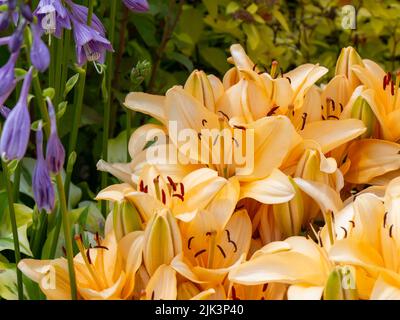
{"x": 54, "y": 241}
{"x": 59, "y": 63}
{"x": 63, "y": 205}
{"x": 17, "y": 180}
{"x": 65, "y": 58}
{"x": 14, "y": 228}
{"x": 90, "y": 12}
{"x": 67, "y": 236}
{"x": 78, "y": 105}
{"x": 39, "y": 232}
{"x": 107, "y": 104}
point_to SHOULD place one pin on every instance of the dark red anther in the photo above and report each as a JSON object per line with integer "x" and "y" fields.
{"x": 172, "y": 183}
{"x": 141, "y": 186}
{"x": 272, "y": 111}
{"x": 392, "y": 88}
{"x": 163, "y": 197}
{"x": 182, "y": 189}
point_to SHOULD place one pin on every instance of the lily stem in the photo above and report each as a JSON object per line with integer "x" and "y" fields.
{"x": 14, "y": 228}
{"x": 107, "y": 102}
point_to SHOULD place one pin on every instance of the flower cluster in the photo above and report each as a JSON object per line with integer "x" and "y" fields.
{"x": 315, "y": 216}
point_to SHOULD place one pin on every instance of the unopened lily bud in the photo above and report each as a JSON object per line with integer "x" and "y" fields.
{"x": 126, "y": 219}
{"x": 199, "y": 86}
{"x": 341, "y": 284}
{"x": 309, "y": 166}
{"x": 162, "y": 240}
{"x": 289, "y": 215}
{"x": 361, "y": 110}
{"x": 348, "y": 57}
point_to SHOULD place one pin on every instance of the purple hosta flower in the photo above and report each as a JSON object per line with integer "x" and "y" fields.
{"x": 17, "y": 38}
{"x": 4, "y": 111}
{"x": 4, "y": 20}
{"x": 52, "y": 16}
{"x": 43, "y": 190}
{"x": 7, "y": 74}
{"x": 90, "y": 44}
{"x": 5, "y": 16}
{"x": 55, "y": 153}
{"x": 40, "y": 54}
{"x": 4, "y": 41}
{"x": 26, "y": 12}
{"x": 15, "y": 136}
{"x": 80, "y": 13}
{"x": 137, "y": 5}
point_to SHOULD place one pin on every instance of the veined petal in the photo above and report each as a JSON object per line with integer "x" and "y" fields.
{"x": 152, "y": 105}
{"x": 115, "y": 192}
{"x": 162, "y": 285}
{"x": 326, "y": 197}
{"x": 276, "y": 188}
{"x": 302, "y": 292}
{"x": 371, "y": 158}
{"x": 384, "y": 289}
{"x": 51, "y": 275}
{"x": 333, "y": 133}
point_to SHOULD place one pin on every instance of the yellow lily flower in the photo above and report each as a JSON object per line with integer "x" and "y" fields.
{"x": 101, "y": 272}
{"x": 210, "y": 253}
{"x": 297, "y": 261}
{"x": 368, "y": 237}
{"x": 200, "y": 189}
{"x": 382, "y": 96}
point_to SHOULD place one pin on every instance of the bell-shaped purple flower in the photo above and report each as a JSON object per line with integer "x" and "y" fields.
{"x": 90, "y": 44}
{"x": 4, "y": 111}
{"x": 17, "y": 38}
{"x": 15, "y": 136}
{"x": 40, "y": 54}
{"x": 7, "y": 74}
{"x": 26, "y": 12}
{"x": 80, "y": 13}
{"x": 4, "y": 20}
{"x": 52, "y": 17}
{"x": 43, "y": 190}
{"x": 55, "y": 153}
{"x": 137, "y": 5}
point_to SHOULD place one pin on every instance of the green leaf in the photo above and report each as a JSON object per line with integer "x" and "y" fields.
{"x": 49, "y": 92}
{"x": 182, "y": 59}
{"x": 62, "y": 107}
{"x": 71, "y": 84}
{"x": 253, "y": 37}
{"x": 7, "y": 243}
{"x": 281, "y": 19}
{"x": 216, "y": 58}
{"x": 212, "y": 7}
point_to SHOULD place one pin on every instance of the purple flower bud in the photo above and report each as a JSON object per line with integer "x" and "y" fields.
{"x": 7, "y": 74}
{"x": 80, "y": 13}
{"x": 12, "y": 5}
{"x": 4, "y": 111}
{"x": 15, "y": 136}
{"x": 137, "y": 5}
{"x": 90, "y": 44}
{"x": 43, "y": 190}
{"x": 52, "y": 17}
{"x": 55, "y": 153}
{"x": 40, "y": 54}
{"x": 4, "y": 41}
{"x": 26, "y": 12}
{"x": 17, "y": 38}
{"x": 4, "y": 20}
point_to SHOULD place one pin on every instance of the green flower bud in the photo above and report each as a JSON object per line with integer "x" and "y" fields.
{"x": 289, "y": 215}
{"x": 361, "y": 110}
{"x": 126, "y": 219}
{"x": 341, "y": 284}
